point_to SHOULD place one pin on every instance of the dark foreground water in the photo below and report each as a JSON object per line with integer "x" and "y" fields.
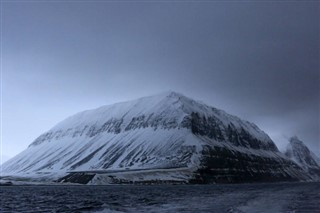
{"x": 280, "y": 197}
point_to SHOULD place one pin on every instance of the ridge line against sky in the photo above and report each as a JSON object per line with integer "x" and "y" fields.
{"x": 256, "y": 60}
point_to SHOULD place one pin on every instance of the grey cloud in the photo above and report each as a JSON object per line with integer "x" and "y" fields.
{"x": 257, "y": 60}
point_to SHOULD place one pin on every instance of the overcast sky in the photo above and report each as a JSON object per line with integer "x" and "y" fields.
{"x": 256, "y": 60}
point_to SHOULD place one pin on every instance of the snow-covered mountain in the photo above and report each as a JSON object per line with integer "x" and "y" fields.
{"x": 300, "y": 153}
{"x": 165, "y": 131}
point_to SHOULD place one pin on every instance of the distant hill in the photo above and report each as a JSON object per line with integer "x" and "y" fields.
{"x": 300, "y": 153}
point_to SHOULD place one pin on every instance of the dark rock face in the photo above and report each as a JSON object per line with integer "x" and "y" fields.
{"x": 213, "y": 128}
{"x": 210, "y": 126}
{"x": 221, "y": 165}
{"x": 82, "y": 178}
{"x": 111, "y": 126}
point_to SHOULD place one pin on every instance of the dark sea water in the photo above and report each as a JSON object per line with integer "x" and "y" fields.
{"x": 279, "y": 197}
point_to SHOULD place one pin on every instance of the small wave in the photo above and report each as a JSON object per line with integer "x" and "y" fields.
{"x": 107, "y": 211}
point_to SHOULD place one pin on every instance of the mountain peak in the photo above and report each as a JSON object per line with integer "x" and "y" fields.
{"x": 300, "y": 153}
{"x": 171, "y": 93}
{"x": 296, "y": 140}
{"x": 164, "y": 94}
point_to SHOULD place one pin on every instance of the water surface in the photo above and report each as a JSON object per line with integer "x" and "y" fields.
{"x": 278, "y": 197}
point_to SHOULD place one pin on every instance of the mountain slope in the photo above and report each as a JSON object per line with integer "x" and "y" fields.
{"x": 300, "y": 153}
{"x": 163, "y": 131}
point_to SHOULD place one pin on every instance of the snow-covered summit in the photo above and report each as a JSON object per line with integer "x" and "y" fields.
{"x": 166, "y": 110}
